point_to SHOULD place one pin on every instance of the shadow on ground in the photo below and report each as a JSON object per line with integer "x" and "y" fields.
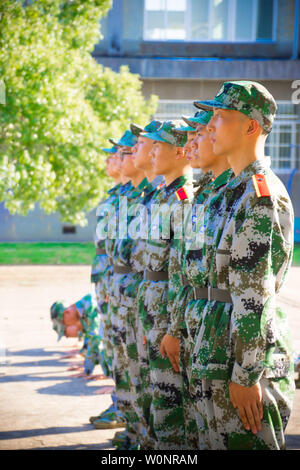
{"x": 103, "y": 446}
{"x": 292, "y": 441}
{"x": 33, "y": 352}
{"x": 73, "y": 387}
{"x": 24, "y": 433}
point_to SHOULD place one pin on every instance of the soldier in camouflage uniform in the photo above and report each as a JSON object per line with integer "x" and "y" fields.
{"x": 112, "y": 417}
{"x": 166, "y": 406}
{"x": 127, "y": 256}
{"x": 184, "y": 257}
{"x": 79, "y": 320}
{"x": 118, "y": 312}
{"x": 242, "y": 361}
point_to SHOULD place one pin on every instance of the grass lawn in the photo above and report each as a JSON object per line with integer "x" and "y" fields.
{"x": 63, "y": 253}
{"x": 46, "y": 253}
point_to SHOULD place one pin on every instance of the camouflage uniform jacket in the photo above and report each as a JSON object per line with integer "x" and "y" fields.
{"x": 87, "y": 309}
{"x": 132, "y": 247}
{"x": 189, "y": 259}
{"x": 100, "y": 261}
{"x": 123, "y": 246}
{"x": 249, "y": 237}
{"x": 112, "y": 232}
{"x": 162, "y": 232}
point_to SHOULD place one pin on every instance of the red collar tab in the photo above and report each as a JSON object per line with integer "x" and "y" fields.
{"x": 261, "y": 185}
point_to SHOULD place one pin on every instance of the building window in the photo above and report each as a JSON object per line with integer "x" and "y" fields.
{"x": 67, "y": 229}
{"x": 209, "y": 20}
{"x": 282, "y": 143}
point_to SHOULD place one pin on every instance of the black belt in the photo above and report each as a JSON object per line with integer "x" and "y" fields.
{"x": 211, "y": 293}
{"x": 156, "y": 275}
{"x": 100, "y": 251}
{"x": 122, "y": 269}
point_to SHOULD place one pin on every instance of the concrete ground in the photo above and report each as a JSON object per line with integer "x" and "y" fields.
{"x": 43, "y": 406}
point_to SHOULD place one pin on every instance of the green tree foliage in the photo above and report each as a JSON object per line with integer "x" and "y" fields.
{"x": 61, "y": 106}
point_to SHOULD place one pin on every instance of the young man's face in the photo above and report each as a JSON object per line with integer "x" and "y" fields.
{"x": 163, "y": 157}
{"x": 188, "y": 146}
{"x": 203, "y": 155}
{"x": 116, "y": 163}
{"x": 141, "y": 153}
{"x": 128, "y": 168}
{"x": 72, "y": 321}
{"x": 227, "y": 129}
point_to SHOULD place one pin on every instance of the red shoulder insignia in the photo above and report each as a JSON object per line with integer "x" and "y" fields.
{"x": 181, "y": 194}
{"x": 261, "y": 185}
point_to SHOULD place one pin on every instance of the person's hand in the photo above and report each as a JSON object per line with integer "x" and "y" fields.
{"x": 80, "y": 375}
{"x": 104, "y": 390}
{"x": 74, "y": 368}
{"x": 248, "y": 401}
{"x": 97, "y": 377}
{"x": 171, "y": 346}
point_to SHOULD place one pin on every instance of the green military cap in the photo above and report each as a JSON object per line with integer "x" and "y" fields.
{"x": 57, "y": 315}
{"x": 128, "y": 139}
{"x": 200, "y": 117}
{"x": 151, "y": 127}
{"x": 167, "y": 133}
{"x": 113, "y": 149}
{"x": 250, "y": 98}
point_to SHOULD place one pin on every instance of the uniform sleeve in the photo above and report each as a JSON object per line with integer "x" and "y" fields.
{"x": 259, "y": 259}
{"x": 176, "y": 316}
{"x": 173, "y": 290}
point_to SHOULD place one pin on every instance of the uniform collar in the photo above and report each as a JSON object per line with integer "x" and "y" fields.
{"x": 179, "y": 182}
{"x": 140, "y": 188}
{"x": 114, "y": 188}
{"x": 256, "y": 167}
{"x": 223, "y": 178}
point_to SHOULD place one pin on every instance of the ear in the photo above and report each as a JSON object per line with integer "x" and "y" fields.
{"x": 253, "y": 127}
{"x": 179, "y": 153}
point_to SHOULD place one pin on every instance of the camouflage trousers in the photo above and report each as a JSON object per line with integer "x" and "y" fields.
{"x": 105, "y": 350}
{"x": 189, "y": 407}
{"x": 220, "y": 427}
{"x": 166, "y": 402}
{"x": 138, "y": 368}
{"x": 125, "y": 390}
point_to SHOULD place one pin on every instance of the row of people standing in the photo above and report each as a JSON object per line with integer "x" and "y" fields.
{"x": 199, "y": 351}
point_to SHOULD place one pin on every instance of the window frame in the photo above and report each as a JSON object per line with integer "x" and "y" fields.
{"x": 291, "y": 120}
{"x": 230, "y": 26}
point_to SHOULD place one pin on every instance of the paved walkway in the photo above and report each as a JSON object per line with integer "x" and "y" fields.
{"x": 43, "y": 406}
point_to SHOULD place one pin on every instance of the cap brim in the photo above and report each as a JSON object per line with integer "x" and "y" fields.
{"x": 153, "y": 136}
{"x": 136, "y": 129}
{"x": 114, "y": 143}
{"x": 189, "y": 121}
{"x": 209, "y": 105}
{"x": 183, "y": 130}
{"x": 108, "y": 150}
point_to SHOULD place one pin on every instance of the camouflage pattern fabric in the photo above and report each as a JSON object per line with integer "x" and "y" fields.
{"x": 250, "y": 98}
{"x": 88, "y": 312}
{"x": 248, "y": 240}
{"x": 190, "y": 263}
{"x": 119, "y": 317}
{"x": 129, "y": 250}
{"x": 166, "y": 406}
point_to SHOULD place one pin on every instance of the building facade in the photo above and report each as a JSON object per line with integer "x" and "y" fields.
{"x": 184, "y": 49}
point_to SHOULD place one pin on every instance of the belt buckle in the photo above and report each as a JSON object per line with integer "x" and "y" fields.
{"x": 209, "y": 293}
